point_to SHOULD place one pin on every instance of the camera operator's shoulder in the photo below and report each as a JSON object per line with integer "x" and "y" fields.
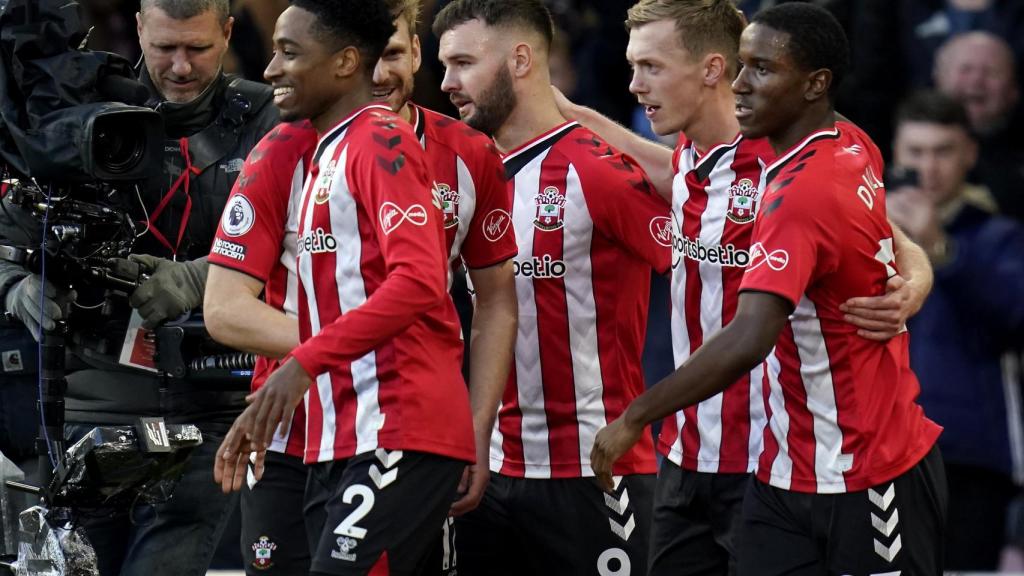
{"x": 252, "y": 103}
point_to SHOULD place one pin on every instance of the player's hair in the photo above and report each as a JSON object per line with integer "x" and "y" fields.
{"x": 816, "y": 39}
{"x": 704, "y": 26}
{"x": 933, "y": 107}
{"x": 365, "y": 24}
{"x": 530, "y": 14}
{"x": 185, "y": 9}
{"x": 408, "y": 10}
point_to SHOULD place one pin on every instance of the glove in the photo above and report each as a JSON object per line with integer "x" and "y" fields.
{"x": 23, "y": 302}
{"x": 171, "y": 289}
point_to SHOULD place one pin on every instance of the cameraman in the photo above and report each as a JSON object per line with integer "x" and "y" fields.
{"x": 211, "y": 121}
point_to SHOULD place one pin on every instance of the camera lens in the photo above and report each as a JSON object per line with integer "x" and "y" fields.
{"x": 117, "y": 151}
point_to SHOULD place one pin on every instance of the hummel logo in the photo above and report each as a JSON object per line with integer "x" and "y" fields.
{"x": 382, "y": 480}
{"x": 391, "y": 166}
{"x": 388, "y": 459}
{"x": 623, "y": 531}
{"x": 886, "y": 528}
{"x": 888, "y": 553}
{"x": 388, "y": 143}
{"x": 391, "y": 216}
{"x": 620, "y": 505}
{"x": 881, "y": 501}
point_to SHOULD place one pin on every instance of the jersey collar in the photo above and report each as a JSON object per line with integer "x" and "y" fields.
{"x": 775, "y": 167}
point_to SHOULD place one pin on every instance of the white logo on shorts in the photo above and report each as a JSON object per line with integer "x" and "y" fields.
{"x": 345, "y": 547}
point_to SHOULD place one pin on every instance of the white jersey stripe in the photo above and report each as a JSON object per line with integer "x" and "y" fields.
{"x": 782, "y": 466}
{"x": 816, "y": 373}
{"x": 467, "y": 205}
{"x": 288, "y": 255}
{"x": 536, "y": 451}
{"x": 712, "y": 229}
{"x": 582, "y": 311}
{"x": 755, "y": 440}
{"x": 680, "y": 335}
{"x": 351, "y": 295}
{"x": 323, "y": 381}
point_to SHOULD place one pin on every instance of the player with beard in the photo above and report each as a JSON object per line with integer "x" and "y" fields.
{"x": 684, "y": 58}
{"x": 469, "y": 175}
{"x": 848, "y": 480}
{"x": 587, "y": 222}
{"x": 388, "y": 422}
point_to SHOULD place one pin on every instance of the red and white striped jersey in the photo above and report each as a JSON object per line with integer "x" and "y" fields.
{"x": 715, "y": 197}
{"x": 376, "y": 325}
{"x": 841, "y": 409}
{"x": 589, "y": 229}
{"x": 467, "y": 170}
{"x": 257, "y": 236}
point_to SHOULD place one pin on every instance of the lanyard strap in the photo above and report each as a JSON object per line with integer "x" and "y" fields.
{"x": 182, "y": 182}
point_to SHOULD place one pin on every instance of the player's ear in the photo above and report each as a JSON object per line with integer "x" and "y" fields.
{"x": 347, "y": 62}
{"x": 522, "y": 59}
{"x": 818, "y": 83}
{"x": 715, "y": 69}
{"x": 417, "y": 53}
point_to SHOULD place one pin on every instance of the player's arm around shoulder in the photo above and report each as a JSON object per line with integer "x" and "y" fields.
{"x": 655, "y": 158}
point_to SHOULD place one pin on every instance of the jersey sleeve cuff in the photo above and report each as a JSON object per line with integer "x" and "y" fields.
{"x": 769, "y": 290}
{"x": 305, "y": 355}
{"x": 478, "y": 264}
{"x": 231, "y": 265}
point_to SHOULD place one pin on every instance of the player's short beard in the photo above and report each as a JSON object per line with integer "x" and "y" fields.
{"x": 495, "y": 104}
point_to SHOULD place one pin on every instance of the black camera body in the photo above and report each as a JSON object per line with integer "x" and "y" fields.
{"x": 71, "y": 115}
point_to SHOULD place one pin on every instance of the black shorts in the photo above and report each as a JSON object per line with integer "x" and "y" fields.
{"x": 273, "y": 529}
{"x": 896, "y": 527}
{"x": 565, "y": 526}
{"x": 696, "y": 516}
{"x": 378, "y": 511}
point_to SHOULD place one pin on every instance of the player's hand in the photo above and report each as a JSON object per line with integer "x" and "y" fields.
{"x": 913, "y": 211}
{"x": 274, "y": 404}
{"x": 231, "y": 464}
{"x": 611, "y": 443}
{"x": 471, "y": 488}
{"x": 565, "y": 106}
{"x": 882, "y": 317}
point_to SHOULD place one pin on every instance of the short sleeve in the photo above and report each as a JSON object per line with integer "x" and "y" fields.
{"x": 626, "y": 207}
{"x": 489, "y": 238}
{"x": 790, "y": 247}
{"x": 252, "y": 227}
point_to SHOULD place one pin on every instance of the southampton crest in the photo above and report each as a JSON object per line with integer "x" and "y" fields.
{"x": 450, "y": 205}
{"x": 742, "y": 202}
{"x": 550, "y": 209}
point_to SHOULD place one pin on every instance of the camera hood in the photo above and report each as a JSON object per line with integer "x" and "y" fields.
{"x": 58, "y": 102}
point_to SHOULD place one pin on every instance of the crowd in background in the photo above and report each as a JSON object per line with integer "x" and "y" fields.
{"x": 964, "y": 198}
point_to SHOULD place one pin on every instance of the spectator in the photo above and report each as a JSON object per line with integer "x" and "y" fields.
{"x": 978, "y": 69}
{"x": 969, "y": 330}
{"x": 927, "y": 24}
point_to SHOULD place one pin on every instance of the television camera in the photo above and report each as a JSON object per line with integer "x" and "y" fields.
{"x": 78, "y": 138}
